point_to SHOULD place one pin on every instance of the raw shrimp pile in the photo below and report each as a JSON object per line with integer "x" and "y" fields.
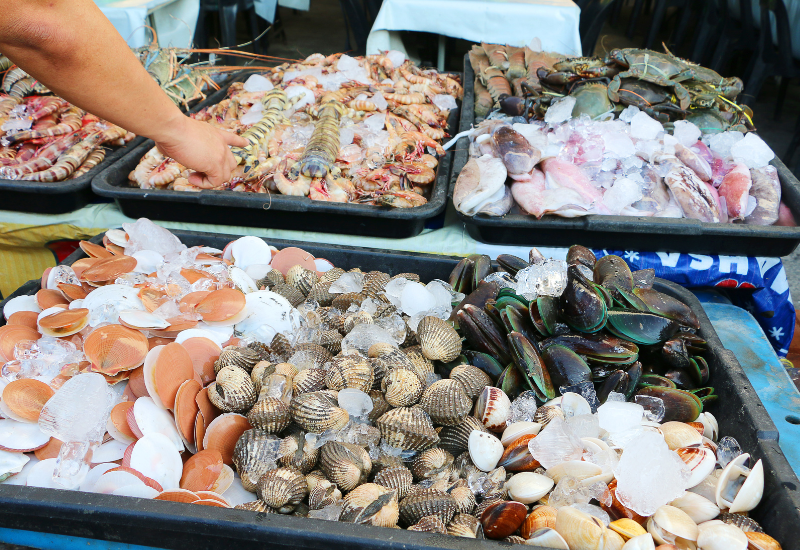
{"x": 631, "y": 166}
{"x": 335, "y": 128}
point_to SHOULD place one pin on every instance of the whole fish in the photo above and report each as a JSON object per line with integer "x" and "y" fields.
{"x": 691, "y": 194}
{"x": 735, "y": 187}
{"x": 560, "y": 173}
{"x": 766, "y": 190}
{"x": 478, "y": 183}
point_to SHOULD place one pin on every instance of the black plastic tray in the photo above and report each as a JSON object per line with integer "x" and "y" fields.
{"x": 59, "y": 197}
{"x": 272, "y": 210}
{"x": 171, "y": 525}
{"x": 626, "y": 232}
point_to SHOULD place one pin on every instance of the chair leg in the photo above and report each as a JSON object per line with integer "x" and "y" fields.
{"x": 784, "y": 87}
{"x": 754, "y": 82}
{"x": 721, "y": 53}
{"x": 637, "y": 11}
{"x": 683, "y": 24}
{"x": 794, "y": 144}
{"x": 227, "y": 22}
{"x": 659, "y": 8}
{"x": 252, "y": 21}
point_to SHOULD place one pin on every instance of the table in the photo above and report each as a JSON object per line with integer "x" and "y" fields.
{"x": 514, "y": 22}
{"x": 173, "y": 20}
{"x": 266, "y": 8}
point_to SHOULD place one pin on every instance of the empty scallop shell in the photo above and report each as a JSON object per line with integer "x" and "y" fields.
{"x": 114, "y": 348}
{"x": 349, "y": 371}
{"x": 270, "y": 414}
{"x": 427, "y": 502}
{"x": 430, "y": 524}
{"x": 430, "y": 463}
{"x": 171, "y": 368}
{"x": 204, "y": 352}
{"x": 438, "y": 339}
{"x": 254, "y": 455}
{"x": 233, "y": 390}
{"x": 455, "y": 439}
{"x": 298, "y": 453}
{"x": 371, "y": 504}
{"x": 345, "y": 464}
{"x": 407, "y": 428}
{"x": 308, "y": 380}
{"x": 25, "y": 398}
{"x": 446, "y": 402}
{"x": 186, "y": 409}
{"x": 317, "y": 411}
{"x": 402, "y": 387}
{"x": 201, "y": 471}
{"x": 323, "y": 494}
{"x": 471, "y": 378}
{"x": 223, "y": 433}
{"x": 221, "y": 305}
{"x": 244, "y": 358}
{"x": 465, "y": 525}
{"x": 398, "y": 478}
{"x": 282, "y": 489}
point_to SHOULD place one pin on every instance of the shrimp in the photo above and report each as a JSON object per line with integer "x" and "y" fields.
{"x": 68, "y": 162}
{"x": 297, "y": 188}
{"x": 70, "y": 122}
{"x": 147, "y": 164}
{"x": 424, "y": 140}
{"x": 331, "y": 189}
{"x": 94, "y": 158}
{"x": 362, "y": 105}
{"x": 406, "y": 99}
{"x": 48, "y": 106}
{"x": 417, "y": 172}
{"x": 44, "y": 158}
{"x": 165, "y": 173}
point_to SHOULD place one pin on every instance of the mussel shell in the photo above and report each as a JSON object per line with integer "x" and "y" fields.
{"x": 667, "y": 306}
{"x": 640, "y": 327}
{"x": 345, "y": 464}
{"x": 618, "y": 381}
{"x": 512, "y": 381}
{"x": 566, "y": 368}
{"x": 655, "y": 380}
{"x": 482, "y": 333}
{"x": 578, "y": 254}
{"x": 643, "y": 278}
{"x": 455, "y": 439}
{"x": 511, "y": 263}
{"x": 407, "y": 428}
{"x": 612, "y": 269}
{"x": 478, "y": 297}
{"x": 581, "y": 306}
{"x": 427, "y": 502}
{"x": 679, "y": 405}
{"x": 530, "y": 364}
{"x": 597, "y": 347}
{"x": 515, "y": 320}
{"x": 484, "y": 362}
{"x": 461, "y": 276}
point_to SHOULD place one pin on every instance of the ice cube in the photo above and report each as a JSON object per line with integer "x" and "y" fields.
{"x": 14, "y": 125}
{"x": 253, "y": 114}
{"x": 523, "y": 408}
{"x": 616, "y": 396}
{"x": 395, "y": 325}
{"x": 394, "y": 289}
{"x": 352, "y": 281}
{"x": 555, "y": 444}
{"x": 441, "y": 291}
{"x": 686, "y": 132}
{"x": 568, "y": 491}
{"x": 167, "y": 310}
{"x": 653, "y": 407}
{"x": 649, "y": 475}
{"x": 346, "y": 136}
{"x": 616, "y": 416}
{"x": 257, "y": 83}
{"x": 347, "y": 63}
{"x": 331, "y": 512}
{"x": 721, "y": 144}
{"x": 628, "y": 114}
{"x": 645, "y": 127}
{"x": 560, "y": 111}
{"x": 355, "y": 402}
{"x": 397, "y": 58}
{"x": 503, "y": 280}
{"x": 584, "y": 425}
{"x": 618, "y": 146}
{"x": 145, "y": 235}
{"x": 727, "y": 449}
{"x": 445, "y": 102}
{"x": 752, "y": 151}
{"x": 363, "y": 336}
{"x": 546, "y": 279}
{"x": 416, "y": 298}
{"x": 622, "y": 194}
{"x": 375, "y": 123}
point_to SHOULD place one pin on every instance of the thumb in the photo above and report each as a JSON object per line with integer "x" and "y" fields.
{"x": 232, "y": 139}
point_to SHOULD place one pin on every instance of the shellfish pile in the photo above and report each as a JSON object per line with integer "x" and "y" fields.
{"x": 555, "y": 404}
{"x": 379, "y": 145}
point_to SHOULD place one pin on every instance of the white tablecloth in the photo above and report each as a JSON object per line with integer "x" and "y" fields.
{"x": 514, "y": 22}
{"x": 173, "y": 20}
{"x": 266, "y": 8}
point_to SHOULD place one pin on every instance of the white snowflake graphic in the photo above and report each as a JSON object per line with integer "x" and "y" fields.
{"x": 777, "y": 333}
{"x": 631, "y": 256}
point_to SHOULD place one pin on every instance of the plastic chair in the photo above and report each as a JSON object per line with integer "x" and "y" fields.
{"x": 594, "y": 14}
{"x": 228, "y": 10}
{"x": 738, "y": 35}
{"x": 772, "y": 60}
{"x": 706, "y": 33}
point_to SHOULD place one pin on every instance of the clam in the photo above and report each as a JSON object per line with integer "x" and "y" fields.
{"x": 407, "y": 428}
{"x": 708, "y": 487}
{"x": 438, "y": 339}
{"x": 270, "y": 414}
{"x": 627, "y": 528}
{"x": 528, "y": 487}
{"x": 345, "y": 464}
{"x": 455, "y": 439}
{"x": 740, "y": 489}
{"x": 282, "y": 489}
{"x": 518, "y": 429}
{"x": 398, "y": 478}
{"x": 446, "y": 402}
{"x": 244, "y": 358}
{"x": 233, "y": 391}
{"x": 547, "y": 413}
{"x": 501, "y": 519}
{"x": 584, "y": 532}
{"x": 541, "y": 517}
{"x": 701, "y": 461}
{"x": 669, "y": 524}
{"x": 427, "y": 502}
{"x": 577, "y": 469}
{"x": 680, "y": 434}
{"x": 465, "y": 525}
{"x": 371, "y": 504}
{"x": 349, "y": 371}
{"x": 485, "y": 450}
{"x": 323, "y": 494}
{"x": 465, "y": 499}
{"x": 547, "y": 538}
{"x": 493, "y": 408}
{"x": 471, "y": 378}
{"x": 517, "y": 456}
{"x": 697, "y": 507}
{"x": 641, "y": 542}
{"x": 402, "y": 387}
{"x": 761, "y": 541}
{"x": 710, "y": 426}
{"x": 317, "y": 412}
{"x": 715, "y": 535}
{"x": 254, "y": 455}
{"x": 295, "y": 452}
{"x": 430, "y": 524}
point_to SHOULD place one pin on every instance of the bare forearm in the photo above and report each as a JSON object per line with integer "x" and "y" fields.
{"x": 72, "y": 48}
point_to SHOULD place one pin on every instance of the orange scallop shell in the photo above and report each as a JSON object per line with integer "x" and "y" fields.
{"x": 50, "y": 450}
{"x": 65, "y": 321}
{"x": 82, "y": 265}
{"x": 291, "y": 256}
{"x": 199, "y": 431}
{"x": 47, "y": 298}
{"x": 221, "y": 304}
{"x": 25, "y": 319}
{"x": 202, "y": 470}
{"x": 178, "y": 495}
{"x": 119, "y": 417}
{"x": 150, "y": 482}
{"x": 211, "y": 502}
{"x": 223, "y": 433}
{"x": 109, "y": 269}
{"x": 172, "y": 367}
{"x": 94, "y": 250}
{"x": 190, "y": 301}
{"x": 71, "y": 292}
{"x": 11, "y": 335}
{"x": 114, "y": 348}
{"x": 26, "y": 397}
{"x": 210, "y": 412}
{"x": 136, "y": 383}
{"x": 186, "y": 408}
{"x": 152, "y": 298}
{"x": 204, "y": 354}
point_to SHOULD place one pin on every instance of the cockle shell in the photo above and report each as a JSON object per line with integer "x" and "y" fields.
{"x": 270, "y": 414}
{"x": 282, "y": 489}
{"x": 398, "y": 478}
{"x": 254, "y": 455}
{"x": 430, "y": 463}
{"x": 349, "y": 371}
{"x": 345, "y": 464}
{"x": 244, "y": 358}
{"x": 430, "y": 524}
{"x": 374, "y": 283}
{"x": 541, "y": 517}
{"x": 272, "y": 278}
{"x": 343, "y": 301}
{"x": 315, "y": 353}
{"x": 323, "y": 494}
{"x": 427, "y": 502}
{"x": 321, "y": 294}
{"x": 472, "y": 379}
{"x": 371, "y": 504}
{"x": 737, "y": 496}
{"x": 446, "y": 402}
{"x": 314, "y": 477}
{"x": 745, "y": 523}
{"x": 438, "y": 339}
{"x": 297, "y": 453}
{"x": 301, "y": 278}
{"x": 233, "y": 391}
{"x": 455, "y": 439}
{"x": 379, "y": 405}
{"x": 547, "y": 413}
{"x": 465, "y": 525}
{"x": 402, "y": 387}
{"x": 465, "y": 499}
{"x": 407, "y": 428}
{"x": 308, "y": 380}
{"x": 493, "y": 408}
{"x": 317, "y": 411}
{"x": 421, "y": 364}
{"x": 292, "y": 294}
{"x": 255, "y": 506}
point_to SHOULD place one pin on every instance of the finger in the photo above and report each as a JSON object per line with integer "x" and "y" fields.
{"x": 196, "y": 179}
{"x": 234, "y": 140}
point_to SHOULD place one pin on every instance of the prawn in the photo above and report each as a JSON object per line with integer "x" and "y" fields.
{"x": 69, "y": 161}
{"x": 44, "y": 158}
{"x": 94, "y": 158}
{"x": 71, "y": 121}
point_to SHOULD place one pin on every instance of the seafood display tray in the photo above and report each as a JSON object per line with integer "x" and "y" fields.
{"x": 58, "y": 197}
{"x": 172, "y": 525}
{"x": 626, "y": 232}
{"x": 272, "y": 210}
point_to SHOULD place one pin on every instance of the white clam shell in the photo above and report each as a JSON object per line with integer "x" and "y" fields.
{"x": 11, "y": 463}
{"x": 247, "y": 251}
{"x": 578, "y": 469}
{"x": 708, "y": 487}
{"x": 697, "y": 507}
{"x": 20, "y": 303}
{"x": 750, "y": 492}
{"x": 528, "y": 487}
{"x": 517, "y": 430}
{"x": 217, "y": 337}
{"x": 641, "y": 542}
{"x": 594, "y": 445}
{"x": 701, "y": 467}
{"x": 117, "y": 237}
{"x": 669, "y": 523}
{"x": 485, "y": 450}
{"x": 547, "y": 538}
{"x": 576, "y": 403}
{"x": 716, "y": 535}
{"x": 257, "y": 271}
{"x": 155, "y": 456}
{"x": 710, "y": 425}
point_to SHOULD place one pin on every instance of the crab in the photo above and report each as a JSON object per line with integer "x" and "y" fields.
{"x": 657, "y": 68}
{"x": 654, "y": 100}
{"x": 569, "y": 71}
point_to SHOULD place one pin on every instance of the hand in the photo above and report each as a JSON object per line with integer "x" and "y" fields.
{"x": 203, "y": 148}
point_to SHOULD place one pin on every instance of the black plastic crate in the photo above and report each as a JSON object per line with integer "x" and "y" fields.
{"x": 273, "y": 210}
{"x": 172, "y": 525}
{"x": 59, "y": 197}
{"x": 626, "y": 232}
